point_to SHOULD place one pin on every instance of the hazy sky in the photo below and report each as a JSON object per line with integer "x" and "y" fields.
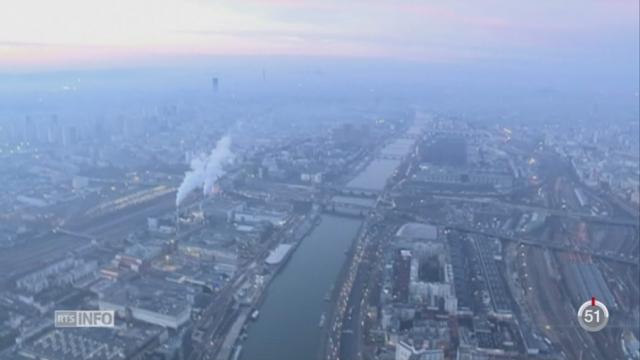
{"x": 37, "y": 34}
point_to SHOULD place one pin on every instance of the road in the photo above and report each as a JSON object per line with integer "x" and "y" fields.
{"x": 627, "y": 259}
{"x": 568, "y": 213}
{"x": 354, "y": 323}
{"x": 554, "y": 246}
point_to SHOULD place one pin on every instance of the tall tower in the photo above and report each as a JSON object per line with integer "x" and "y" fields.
{"x": 214, "y": 84}
{"x": 54, "y": 132}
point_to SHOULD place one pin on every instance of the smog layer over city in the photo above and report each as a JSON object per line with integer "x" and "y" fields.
{"x": 319, "y": 180}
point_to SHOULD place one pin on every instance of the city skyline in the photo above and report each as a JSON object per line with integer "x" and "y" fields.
{"x": 319, "y": 180}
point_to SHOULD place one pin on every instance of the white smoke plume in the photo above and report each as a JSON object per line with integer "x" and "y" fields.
{"x": 205, "y": 170}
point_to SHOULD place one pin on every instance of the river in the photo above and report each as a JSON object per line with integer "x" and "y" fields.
{"x": 374, "y": 177}
{"x": 288, "y": 324}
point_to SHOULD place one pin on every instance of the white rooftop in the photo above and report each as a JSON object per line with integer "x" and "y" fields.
{"x": 277, "y": 255}
{"x": 418, "y": 231}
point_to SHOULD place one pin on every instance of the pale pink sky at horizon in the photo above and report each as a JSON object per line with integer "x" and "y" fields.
{"x": 39, "y": 33}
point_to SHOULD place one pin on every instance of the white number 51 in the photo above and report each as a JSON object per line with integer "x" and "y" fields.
{"x": 588, "y": 315}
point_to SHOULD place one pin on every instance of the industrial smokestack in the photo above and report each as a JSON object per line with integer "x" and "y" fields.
{"x": 205, "y": 170}
{"x": 177, "y": 224}
{"x": 213, "y": 169}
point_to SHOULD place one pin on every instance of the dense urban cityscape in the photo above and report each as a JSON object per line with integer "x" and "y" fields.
{"x": 319, "y": 180}
{"x": 399, "y": 234}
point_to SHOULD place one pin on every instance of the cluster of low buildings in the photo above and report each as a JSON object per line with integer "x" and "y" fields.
{"x": 444, "y": 296}
{"x": 463, "y": 161}
{"x": 153, "y": 282}
{"x": 417, "y": 295}
{"x": 604, "y": 157}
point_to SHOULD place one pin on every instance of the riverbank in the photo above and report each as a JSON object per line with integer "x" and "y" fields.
{"x": 288, "y": 326}
{"x": 231, "y": 348}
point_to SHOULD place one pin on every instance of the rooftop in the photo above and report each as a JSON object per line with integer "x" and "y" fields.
{"x": 418, "y": 231}
{"x": 159, "y": 296}
{"x": 93, "y": 343}
{"x": 278, "y": 254}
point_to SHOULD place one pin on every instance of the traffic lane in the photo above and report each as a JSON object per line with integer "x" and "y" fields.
{"x": 351, "y": 337}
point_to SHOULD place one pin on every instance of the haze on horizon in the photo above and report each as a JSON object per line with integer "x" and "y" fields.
{"x": 570, "y": 54}
{"x": 327, "y": 179}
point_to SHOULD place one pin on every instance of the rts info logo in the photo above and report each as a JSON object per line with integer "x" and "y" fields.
{"x": 82, "y": 318}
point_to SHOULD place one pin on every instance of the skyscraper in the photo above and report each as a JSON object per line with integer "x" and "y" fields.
{"x": 54, "y": 133}
{"x": 214, "y": 84}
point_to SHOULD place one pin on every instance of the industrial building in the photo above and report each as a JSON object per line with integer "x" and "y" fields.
{"x": 118, "y": 343}
{"x": 152, "y": 301}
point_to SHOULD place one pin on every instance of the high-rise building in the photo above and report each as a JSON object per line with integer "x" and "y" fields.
{"x": 401, "y": 276}
{"x": 214, "y": 84}
{"x": 54, "y": 134}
